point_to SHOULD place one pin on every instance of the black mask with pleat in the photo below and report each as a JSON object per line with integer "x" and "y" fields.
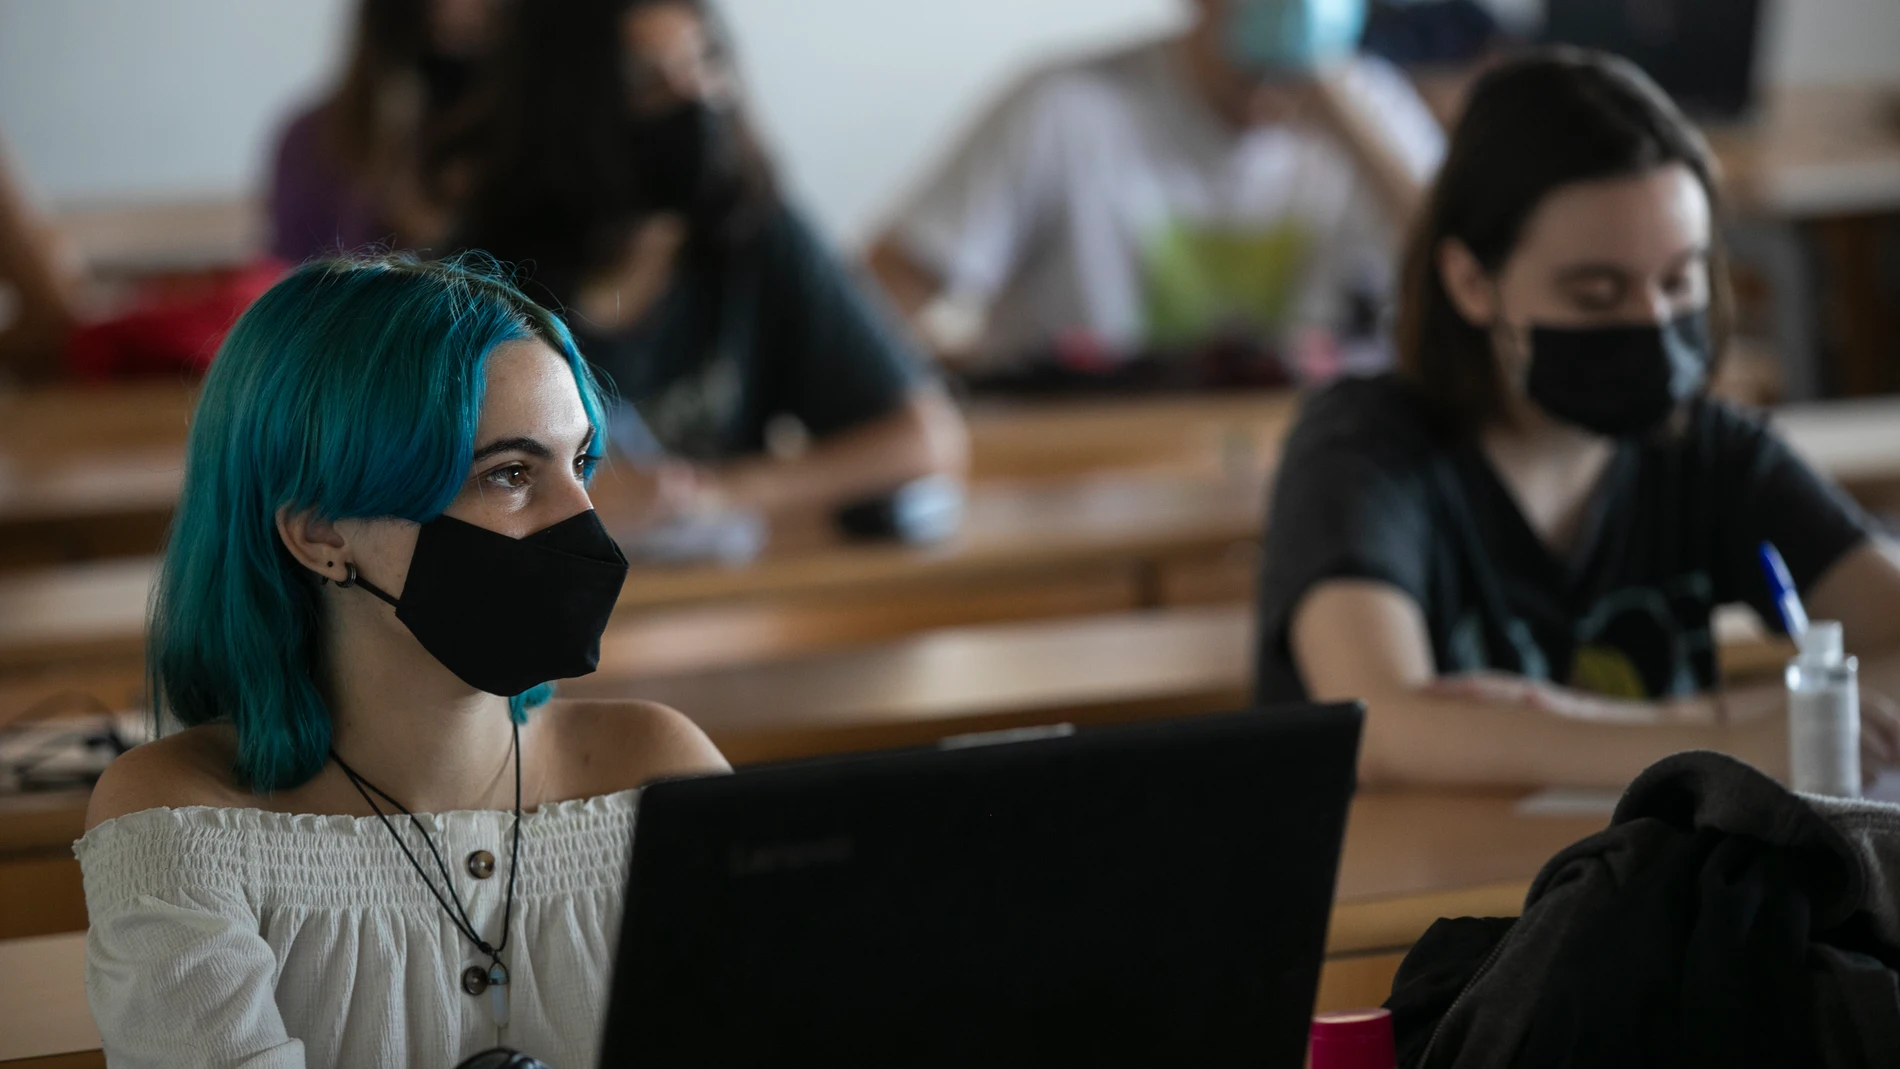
{"x": 689, "y": 161}
{"x": 1620, "y": 382}
{"x": 508, "y": 614}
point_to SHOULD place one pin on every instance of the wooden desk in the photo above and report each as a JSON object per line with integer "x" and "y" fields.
{"x": 1408, "y": 859}
{"x": 1826, "y": 158}
{"x": 1091, "y": 546}
{"x": 89, "y": 473}
{"x": 914, "y": 691}
{"x": 910, "y": 692}
{"x": 1205, "y": 435}
{"x": 1032, "y": 548}
{"x": 140, "y": 240}
{"x": 1855, "y": 441}
{"x": 1816, "y": 150}
{"x": 907, "y": 693}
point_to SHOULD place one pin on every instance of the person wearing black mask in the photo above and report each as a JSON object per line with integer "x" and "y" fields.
{"x": 1511, "y": 549}
{"x": 370, "y": 834}
{"x": 614, "y": 163}
{"x": 345, "y": 173}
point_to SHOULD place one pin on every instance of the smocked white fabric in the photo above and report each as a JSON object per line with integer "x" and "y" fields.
{"x": 236, "y": 937}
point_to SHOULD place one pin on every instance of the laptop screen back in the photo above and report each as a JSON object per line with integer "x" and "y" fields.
{"x": 1155, "y": 894}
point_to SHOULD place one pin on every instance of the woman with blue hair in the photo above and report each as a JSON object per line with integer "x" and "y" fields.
{"x": 376, "y": 841}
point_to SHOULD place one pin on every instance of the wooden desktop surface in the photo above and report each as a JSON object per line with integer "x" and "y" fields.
{"x": 1021, "y": 531}
{"x": 1408, "y": 859}
{"x": 118, "y": 449}
{"x": 1015, "y": 536}
{"x": 74, "y": 454}
{"x": 909, "y": 692}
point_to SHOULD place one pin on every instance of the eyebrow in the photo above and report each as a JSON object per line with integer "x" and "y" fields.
{"x": 530, "y": 446}
{"x": 514, "y": 445}
{"x": 1590, "y": 272}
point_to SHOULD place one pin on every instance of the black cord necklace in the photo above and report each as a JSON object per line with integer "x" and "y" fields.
{"x": 497, "y": 978}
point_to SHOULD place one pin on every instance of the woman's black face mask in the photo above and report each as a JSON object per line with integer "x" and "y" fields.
{"x": 689, "y": 161}
{"x": 1620, "y": 382}
{"x": 509, "y": 614}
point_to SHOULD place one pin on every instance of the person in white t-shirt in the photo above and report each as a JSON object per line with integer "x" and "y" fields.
{"x": 1243, "y": 183}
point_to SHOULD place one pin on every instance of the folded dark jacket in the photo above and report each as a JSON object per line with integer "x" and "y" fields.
{"x": 1720, "y": 921}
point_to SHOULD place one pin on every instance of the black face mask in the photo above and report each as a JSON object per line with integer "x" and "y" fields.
{"x": 445, "y": 81}
{"x": 1620, "y": 382}
{"x": 689, "y": 162}
{"x": 509, "y": 614}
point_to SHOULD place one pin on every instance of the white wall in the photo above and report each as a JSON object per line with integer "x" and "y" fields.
{"x": 128, "y": 100}
{"x": 153, "y": 99}
{"x": 1834, "y": 41}
{"x": 858, "y": 95}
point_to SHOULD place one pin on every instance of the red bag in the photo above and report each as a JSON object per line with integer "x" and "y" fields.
{"x": 175, "y": 327}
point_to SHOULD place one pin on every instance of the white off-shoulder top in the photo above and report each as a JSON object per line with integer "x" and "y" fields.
{"x": 237, "y": 937}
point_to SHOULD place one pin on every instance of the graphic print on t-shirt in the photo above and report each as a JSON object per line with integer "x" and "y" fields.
{"x": 1634, "y": 644}
{"x": 1202, "y": 279}
{"x": 691, "y": 417}
{"x": 1646, "y": 642}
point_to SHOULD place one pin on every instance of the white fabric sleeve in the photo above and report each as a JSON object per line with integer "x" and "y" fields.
{"x": 1362, "y": 253}
{"x": 972, "y": 219}
{"x": 1382, "y": 90}
{"x": 182, "y": 980}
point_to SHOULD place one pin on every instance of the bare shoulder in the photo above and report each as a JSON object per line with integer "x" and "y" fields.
{"x": 191, "y": 767}
{"x": 609, "y": 746}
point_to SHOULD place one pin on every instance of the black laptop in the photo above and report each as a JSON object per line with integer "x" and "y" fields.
{"x": 1142, "y": 895}
{"x": 1702, "y": 52}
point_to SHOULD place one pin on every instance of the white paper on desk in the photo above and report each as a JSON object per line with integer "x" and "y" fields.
{"x": 1570, "y": 802}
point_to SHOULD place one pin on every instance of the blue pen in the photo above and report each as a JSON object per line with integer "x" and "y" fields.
{"x": 1794, "y": 615}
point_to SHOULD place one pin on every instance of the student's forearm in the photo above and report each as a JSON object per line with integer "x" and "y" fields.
{"x": 1372, "y": 149}
{"x": 908, "y": 285}
{"x": 1417, "y": 736}
{"x": 924, "y": 437}
{"x": 915, "y": 290}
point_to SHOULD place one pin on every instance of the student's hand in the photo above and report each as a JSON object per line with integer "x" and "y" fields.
{"x": 621, "y": 295}
{"x": 1879, "y": 734}
{"x": 1331, "y": 100}
{"x": 634, "y": 497}
{"x": 1768, "y": 706}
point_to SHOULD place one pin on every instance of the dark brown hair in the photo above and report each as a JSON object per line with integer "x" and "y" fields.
{"x": 552, "y": 181}
{"x": 386, "y": 57}
{"x": 1533, "y": 124}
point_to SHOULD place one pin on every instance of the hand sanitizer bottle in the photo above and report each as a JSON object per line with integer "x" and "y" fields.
{"x": 1824, "y": 714}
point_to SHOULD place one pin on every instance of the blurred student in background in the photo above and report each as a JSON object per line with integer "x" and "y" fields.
{"x": 1512, "y": 548}
{"x": 346, "y": 172}
{"x": 1239, "y": 187}
{"x": 39, "y": 287}
{"x": 615, "y": 161}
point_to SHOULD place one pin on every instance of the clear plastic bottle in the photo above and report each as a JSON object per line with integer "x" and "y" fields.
{"x": 1824, "y": 714}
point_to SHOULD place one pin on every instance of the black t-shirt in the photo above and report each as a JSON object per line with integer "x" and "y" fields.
{"x": 1367, "y": 490}
{"x": 772, "y": 327}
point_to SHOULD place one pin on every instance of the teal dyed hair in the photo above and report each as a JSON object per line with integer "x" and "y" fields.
{"x": 352, "y": 389}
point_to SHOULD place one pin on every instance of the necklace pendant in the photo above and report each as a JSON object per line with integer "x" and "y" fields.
{"x": 498, "y": 994}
